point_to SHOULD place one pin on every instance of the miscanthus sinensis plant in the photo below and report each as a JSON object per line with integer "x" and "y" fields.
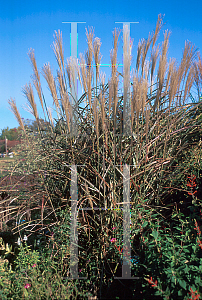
{"x": 162, "y": 126}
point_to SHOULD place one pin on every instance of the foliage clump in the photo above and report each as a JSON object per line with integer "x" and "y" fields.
{"x": 161, "y": 146}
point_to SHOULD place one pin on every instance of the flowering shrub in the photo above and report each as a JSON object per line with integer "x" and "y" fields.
{"x": 192, "y": 184}
{"x": 171, "y": 254}
{"x": 27, "y": 285}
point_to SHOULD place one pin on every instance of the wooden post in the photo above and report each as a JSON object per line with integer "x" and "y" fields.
{"x": 6, "y": 145}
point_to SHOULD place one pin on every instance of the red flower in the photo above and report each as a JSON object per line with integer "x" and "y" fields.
{"x": 118, "y": 248}
{"x": 197, "y": 228}
{"x": 153, "y": 284}
{"x": 192, "y": 184}
{"x": 27, "y": 285}
{"x": 193, "y": 296}
{"x": 200, "y": 244}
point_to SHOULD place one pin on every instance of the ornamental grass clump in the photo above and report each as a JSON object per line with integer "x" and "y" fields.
{"x": 157, "y": 142}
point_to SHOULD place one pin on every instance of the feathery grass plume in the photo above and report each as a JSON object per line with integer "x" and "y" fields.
{"x": 113, "y": 83}
{"x": 97, "y": 57}
{"x": 89, "y": 64}
{"x": 154, "y": 57}
{"x": 102, "y": 97}
{"x": 146, "y": 70}
{"x": 28, "y": 91}
{"x": 162, "y": 68}
{"x": 198, "y": 75}
{"x": 102, "y": 78}
{"x": 172, "y": 62}
{"x": 126, "y": 74}
{"x": 114, "y": 91}
{"x": 62, "y": 88}
{"x": 58, "y": 49}
{"x": 113, "y": 52}
{"x": 68, "y": 67}
{"x": 64, "y": 98}
{"x": 189, "y": 83}
{"x": 199, "y": 63}
{"x": 139, "y": 53}
{"x": 189, "y": 55}
{"x": 50, "y": 115}
{"x": 14, "y": 110}
{"x": 83, "y": 72}
{"x": 144, "y": 90}
{"x": 159, "y": 25}
{"x": 145, "y": 49}
{"x": 173, "y": 81}
{"x": 36, "y": 77}
{"x": 47, "y": 74}
{"x": 136, "y": 98}
{"x": 67, "y": 108}
{"x": 197, "y": 79}
{"x": 90, "y": 36}
{"x": 72, "y": 69}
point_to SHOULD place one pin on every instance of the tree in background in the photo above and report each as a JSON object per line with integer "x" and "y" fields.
{"x": 11, "y": 134}
{"x": 32, "y": 125}
{"x": 14, "y": 134}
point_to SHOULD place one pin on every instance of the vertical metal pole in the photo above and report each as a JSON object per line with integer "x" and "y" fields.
{"x": 73, "y": 228}
{"x": 74, "y": 89}
{"x": 126, "y": 269}
{"x": 73, "y": 54}
{"x": 126, "y": 79}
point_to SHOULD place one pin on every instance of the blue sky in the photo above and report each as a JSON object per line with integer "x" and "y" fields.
{"x": 31, "y": 24}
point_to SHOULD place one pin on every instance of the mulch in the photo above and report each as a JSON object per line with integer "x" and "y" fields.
{"x": 12, "y": 186}
{"x": 16, "y": 182}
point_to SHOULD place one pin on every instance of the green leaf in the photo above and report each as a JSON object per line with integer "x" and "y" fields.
{"x": 154, "y": 234}
{"x": 185, "y": 250}
{"x": 183, "y": 284}
{"x": 197, "y": 280}
{"x": 158, "y": 293}
{"x": 186, "y": 270}
{"x": 145, "y": 224}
